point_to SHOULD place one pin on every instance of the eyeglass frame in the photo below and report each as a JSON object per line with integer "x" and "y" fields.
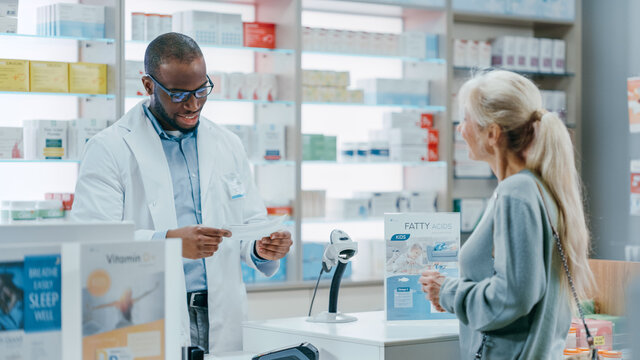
{"x": 189, "y": 93}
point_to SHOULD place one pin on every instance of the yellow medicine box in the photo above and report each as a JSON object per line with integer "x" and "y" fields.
{"x": 14, "y": 75}
{"x": 49, "y": 76}
{"x": 87, "y": 78}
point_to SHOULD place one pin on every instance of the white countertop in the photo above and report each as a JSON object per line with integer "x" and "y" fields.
{"x": 370, "y": 328}
{"x": 237, "y": 355}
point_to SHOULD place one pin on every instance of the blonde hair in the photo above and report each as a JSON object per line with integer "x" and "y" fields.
{"x": 540, "y": 138}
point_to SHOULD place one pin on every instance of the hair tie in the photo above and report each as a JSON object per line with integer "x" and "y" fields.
{"x": 537, "y": 116}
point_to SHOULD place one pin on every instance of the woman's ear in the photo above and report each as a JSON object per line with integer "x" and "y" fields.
{"x": 494, "y": 133}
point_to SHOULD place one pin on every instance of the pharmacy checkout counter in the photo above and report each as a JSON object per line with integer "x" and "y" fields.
{"x": 370, "y": 337}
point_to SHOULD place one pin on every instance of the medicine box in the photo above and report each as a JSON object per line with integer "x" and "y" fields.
{"x": 522, "y": 53}
{"x": 45, "y": 139}
{"x": 412, "y": 92}
{"x": 504, "y": 52}
{"x": 523, "y": 7}
{"x": 46, "y": 76}
{"x": 484, "y": 54}
{"x": 533, "y": 56}
{"x": 472, "y": 53}
{"x": 414, "y": 44}
{"x": 401, "y": 120}
{"x": 312, "y": 147}
{"x": 87, "y": 78}
{"x": 460, "y": 47}
{"x": 11, "y": 145}
{"x": 268, "y": 87}
{"x": 546, "y": 55}
{"x": 8, "y": 25}
{"x": 347, "y": 208}
{"x": 9, "y": 8}
{"x": 220, "y": 85}
{"x": 559, "y": 56}
{"x": 417, "y": 136}
{"x": 14, "y": 75}
{"x": 269, "y": 141}
{"x": 383, "y": 202}
{"x": 79, "y": 133}
{"x": 260, "y": 35}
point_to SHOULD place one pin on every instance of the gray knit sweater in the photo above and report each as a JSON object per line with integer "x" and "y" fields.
{"x": 515, "y": 298}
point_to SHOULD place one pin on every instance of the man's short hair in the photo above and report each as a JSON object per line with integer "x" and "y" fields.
{"x": 168, "y": 47}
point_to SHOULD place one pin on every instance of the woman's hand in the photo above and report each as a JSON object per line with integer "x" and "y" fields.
{"x": 431, "y": 282}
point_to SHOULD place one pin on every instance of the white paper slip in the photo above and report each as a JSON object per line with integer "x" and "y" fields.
{"x": 256, "y": 231}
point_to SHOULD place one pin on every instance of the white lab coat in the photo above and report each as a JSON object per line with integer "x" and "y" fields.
{"x": 125, "y": 176}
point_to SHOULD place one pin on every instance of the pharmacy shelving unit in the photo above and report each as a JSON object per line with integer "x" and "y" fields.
{"x": 293, "y": 175}
{"x": 352, "y": 122}
{"x": 31, "y": 179}
{"x": 481, "y": 26}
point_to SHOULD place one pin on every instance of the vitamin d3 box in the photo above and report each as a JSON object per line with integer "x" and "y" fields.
{"x": 47, "y": 76}
{"x": 45, "y": 139}
{"x": 87, "y": 78}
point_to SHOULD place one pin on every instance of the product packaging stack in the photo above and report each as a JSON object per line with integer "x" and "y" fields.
{"x": 73, "y": 20}
{"x": 146, "y": 27}
{"x": 529, "y": 54}
{"x": 411, "y": 92}
{"x": 9, "y": 16}
{"x": 210, "y": 28}
{"x": 329, "y": 86}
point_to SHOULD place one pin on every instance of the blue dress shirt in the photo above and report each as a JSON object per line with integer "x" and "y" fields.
{"x": 181, "y": 151}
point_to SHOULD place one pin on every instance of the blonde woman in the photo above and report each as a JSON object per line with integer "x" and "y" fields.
{"x": 513, "y": 299}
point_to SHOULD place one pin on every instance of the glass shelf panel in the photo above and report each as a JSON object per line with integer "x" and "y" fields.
{"x": 15, "y": 161}
{"x": 429, "y": 108}
{"x": 257, "y": 102}
{"x": 392, "y": 57}
{"x": 379, "y": 163}
{"x": 99, "y": 96}
{"x": 527, "y": 73}
{"x": 227, "y": 47}
{"x": 32, "y": 36}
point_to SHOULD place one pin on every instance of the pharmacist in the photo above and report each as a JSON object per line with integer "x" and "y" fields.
{"x": 178, "y": 175}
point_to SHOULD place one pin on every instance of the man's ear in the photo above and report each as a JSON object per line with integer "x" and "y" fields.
{"x": 148, "y": 84}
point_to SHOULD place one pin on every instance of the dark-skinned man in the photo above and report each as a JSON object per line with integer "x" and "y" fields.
{"x": 176, "y": 174}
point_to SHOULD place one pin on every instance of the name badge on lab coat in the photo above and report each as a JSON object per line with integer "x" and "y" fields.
{"x": 234, "y": 185}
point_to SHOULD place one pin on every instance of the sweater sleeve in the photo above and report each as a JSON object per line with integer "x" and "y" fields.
{"x": 519, "y": 279}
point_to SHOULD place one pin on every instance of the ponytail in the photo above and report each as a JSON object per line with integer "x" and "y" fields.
{"x": 551, "y": 156}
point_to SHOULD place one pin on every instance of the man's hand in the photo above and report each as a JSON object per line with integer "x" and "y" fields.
{"x": 199, "y": 241}
{"x": 274, "y": 247}
{"x": 431, "y": 282}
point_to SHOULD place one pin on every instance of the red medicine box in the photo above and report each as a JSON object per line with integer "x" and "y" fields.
{"x": 426, "y": 121}
{"x": 260, "y": 35}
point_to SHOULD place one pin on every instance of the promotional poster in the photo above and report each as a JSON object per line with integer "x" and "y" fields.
{"x": 416, "y": 242}
{"x": 123, "y": 309}
{"x": 30, "y": 304}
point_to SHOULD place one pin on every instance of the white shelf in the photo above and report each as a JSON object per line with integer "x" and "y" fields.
{"x": 227, "y": 47}
{"x": 246, "y": 101}
{"x": 428, "y": 108}
{"x": 437, "y": 164}
{"x": 505, "y": 19}
{"x": 75, "y": 38}
{"x": 375, "y": 56}
{"x": 40, "y": 161}
{"x": 25, "y": 93}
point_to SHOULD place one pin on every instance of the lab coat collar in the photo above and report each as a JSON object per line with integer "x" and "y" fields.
{"x": 146, "y": 146}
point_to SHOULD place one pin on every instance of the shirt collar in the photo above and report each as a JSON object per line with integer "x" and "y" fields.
{"x": 160, "y": 131}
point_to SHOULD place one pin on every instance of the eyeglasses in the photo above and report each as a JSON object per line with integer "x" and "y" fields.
{"x": 182, "y": 96}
